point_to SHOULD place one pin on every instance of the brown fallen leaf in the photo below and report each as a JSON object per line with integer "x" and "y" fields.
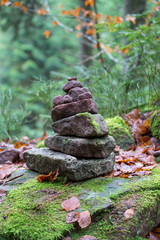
{"x": 6, "y": 170}
{"x": 72, "y": 217}
{"x": 85, "y": 219}
{"x": 51, "y": 177}
{"x": 3, "y": 193}
{"x": 70, "y": 204}
{"x": 87, "y": 237}
{"x": 129, "y": 213}
{"x": 157, "y": 230}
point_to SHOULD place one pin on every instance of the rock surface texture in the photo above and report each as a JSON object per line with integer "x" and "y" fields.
{"x": 81, "y": 125}
{"x": 83, "y": 149}
{"x": 45, "y": 160}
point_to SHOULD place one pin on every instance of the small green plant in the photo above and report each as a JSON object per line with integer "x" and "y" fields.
{"x": 11, "y": 119}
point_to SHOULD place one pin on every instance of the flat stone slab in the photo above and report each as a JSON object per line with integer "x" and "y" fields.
{"x": 27, "y": 175}
{"x": 45, "y": 160}
{"x": 82, "y": 147}
{"x": 81, "y": 125}
{"x": 70, "y": 109}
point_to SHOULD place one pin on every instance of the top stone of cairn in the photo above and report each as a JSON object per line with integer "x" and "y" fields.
{"x": 78, "y": 99}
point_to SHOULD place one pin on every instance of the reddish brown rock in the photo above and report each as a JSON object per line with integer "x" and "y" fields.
{"x": 85, "y": 95}
{"x": 71, "y": 78}
{"x": 57, "y": 100}
{"x": 70, "y": 109}
{"x": 67, "y": 99}
{"x": 81, "y": 125}
{"x": 71, "y": 84}
{"x": 75, "y": 92}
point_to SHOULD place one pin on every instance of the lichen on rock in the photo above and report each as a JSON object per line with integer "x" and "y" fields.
{"x": 155, "y": 124}
{"x": 120, "y": 131}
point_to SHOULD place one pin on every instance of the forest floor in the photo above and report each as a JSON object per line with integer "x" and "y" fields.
{"x": 122, "y": 205}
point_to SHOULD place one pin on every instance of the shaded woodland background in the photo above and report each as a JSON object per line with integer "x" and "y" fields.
{"x": 33, "y": 68}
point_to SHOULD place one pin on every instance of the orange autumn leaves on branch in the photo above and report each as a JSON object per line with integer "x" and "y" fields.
{"x": 89, "y": 24}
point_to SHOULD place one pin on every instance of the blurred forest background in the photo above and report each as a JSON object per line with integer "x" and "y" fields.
{"x": 119, "y": 63}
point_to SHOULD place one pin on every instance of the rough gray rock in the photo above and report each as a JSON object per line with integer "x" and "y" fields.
{"x": 70, "y": 109}
{"x": 45, "y": 160}
{"x": 81, "y": 125}
{"x": 72, "y": 84}
{"x": 82, "y": 147}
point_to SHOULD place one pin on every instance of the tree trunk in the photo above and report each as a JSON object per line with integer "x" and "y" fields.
{"x": 135, "y": 7}
{"x": 85, "y": 44}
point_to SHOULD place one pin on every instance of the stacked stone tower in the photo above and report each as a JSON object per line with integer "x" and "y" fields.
{"x": 82, "y": 148}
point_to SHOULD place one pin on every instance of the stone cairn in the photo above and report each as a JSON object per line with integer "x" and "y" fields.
{"x": 82, "y": 149}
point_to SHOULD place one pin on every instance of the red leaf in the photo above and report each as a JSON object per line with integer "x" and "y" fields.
{"x": 85, "y": 219}
{"x": 129, "y": 213}
{"x": 70, "y": 204}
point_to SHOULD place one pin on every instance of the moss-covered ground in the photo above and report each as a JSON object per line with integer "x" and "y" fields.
{"x": 33, "y": 210}
{"x": 144, "y": 197}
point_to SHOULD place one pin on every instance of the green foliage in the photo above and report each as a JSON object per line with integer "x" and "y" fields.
{"x": 11, "y": 119}
{"x": 155, "y": 124}
{"x": 140, "y": 73}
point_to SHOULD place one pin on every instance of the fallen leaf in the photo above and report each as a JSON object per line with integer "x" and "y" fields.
{"x": 72, "y": 217}
{"x": 87, "y": 237}
{"x": 6, "y": 170}
{"x": 70, "y": 204}
{"x": 157, "y": 230}
{"x": 85, "y": 219}
{"x": 3, "y": 193}
{"x": 129, "y": 213}
{"x": 51, "y": 177}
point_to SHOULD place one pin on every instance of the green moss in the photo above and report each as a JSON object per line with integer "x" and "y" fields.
{"x": 92, "y": 121}
{"x": 29, "y": 212}
{"x": 120, "y": 131}
{"x": 117, "y": 123}
{"x": 40, "y": 144}
{"x": 155, "y": 124}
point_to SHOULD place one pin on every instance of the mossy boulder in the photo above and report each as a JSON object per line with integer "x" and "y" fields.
{"x": 155, "y": 124}
{"x": 33, "y": 210}
{"x": 120, "y": 131}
